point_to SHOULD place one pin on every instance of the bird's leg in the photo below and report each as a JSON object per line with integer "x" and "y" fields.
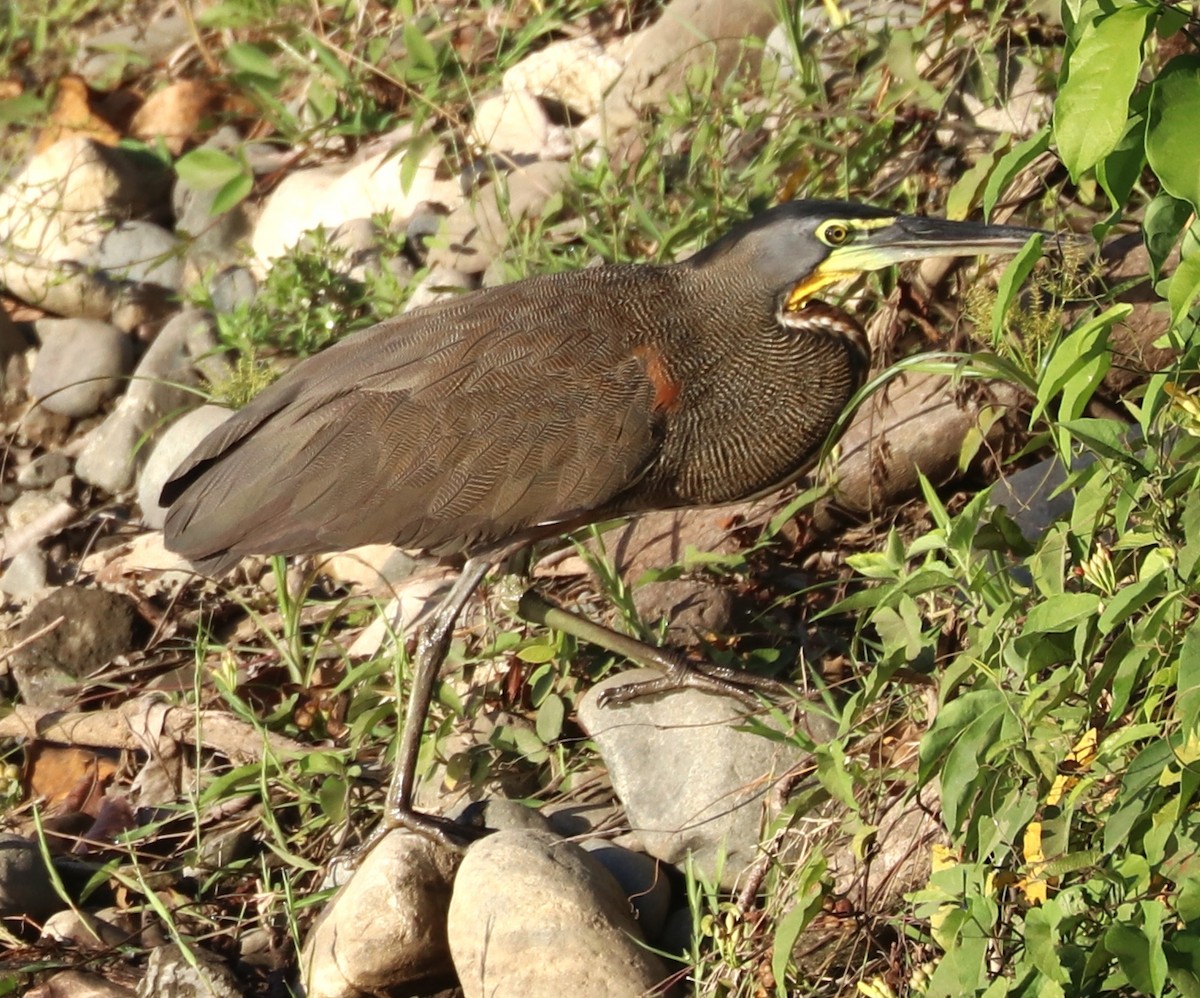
{"x": 678, "y": 671}
{"x": 433, "y": 642}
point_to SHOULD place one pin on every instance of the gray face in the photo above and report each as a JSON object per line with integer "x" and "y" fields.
{"x": 797, "y": 248}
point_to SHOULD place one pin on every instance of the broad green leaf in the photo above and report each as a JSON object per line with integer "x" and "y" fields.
{"x": 1121, "y": 168}
{"x": 1187, "y": 680}
{"x": 1165, "y": 218}
{"x": 251, "y": 60}
{"x": 207, "y": 169}
{"x": 1015, "y": 273}
{"x": 232, "y": 192}
{"x": 1061, "y": 613}
{"x": 1171, "y": 130}
{"x": 550, "y": 718}
{"x": 952, "y": 720}
{"x": 1077, "y": 361}
{"x": 1011, "y": 164}
{"x": 1185, "y": 282}
{"x": 1093, "y": 101}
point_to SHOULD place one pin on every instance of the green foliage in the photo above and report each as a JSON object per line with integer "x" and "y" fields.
{"x": 1119, "y": 110}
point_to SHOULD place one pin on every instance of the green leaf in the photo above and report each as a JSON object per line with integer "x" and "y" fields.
{"x": 1011, "y": 164}
{"x": 235, "y": 190}
{"x": 1165, "y": 218}
{"x": 952, "y": 720}
{"x": 1171, "y": 130}
{"x": 1121, "y": 168}
{"x": 251, "y": 60}
{"x": 1093, "y": 101}
{"x": 1018, "y": 269}
{"x": 550, "y": 718}
{"x": 1187, "y": 680}
{"x": 208, "y": 169}
{"x": 1061, "y": 613}
{"x": 1185, "y": 282}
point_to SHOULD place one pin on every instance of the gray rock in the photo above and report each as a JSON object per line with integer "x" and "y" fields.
{"x": 644, "y": 881}
{"x": 139, "y": 251}
{"x": 575, "y": 72}
{"x": 232, "y": 288}
{"x": 25, "y": 575}
{"x": 196, "y": 974}
{"x": 80, "y": 364}
{"x": 687, "y": 34}
{"x": 327, "y": 196}
{"x": 25, "y": 886}
{"x": 44, "y": 470}
{"x": 439, "y": 284}
{"x": 512, "y": 125}
{"x": 690, "y": 780}
{"x": 214, "y": 242}
{"x": 85, "y": 930}
{"x": 500, "y": 814}
{"x": 114, "y": 450}
{"x": 476, "y": 233}
{"x": 386, "y": 927}
{"x": 108, "y": 57}
{"x": 30, "y": 506}
{"x": 535, "y": 916}
{"x": 96, "y": 626}
{"x": 176, "y": 443}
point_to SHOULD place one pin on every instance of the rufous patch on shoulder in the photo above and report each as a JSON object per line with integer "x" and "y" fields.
{"x": 666, "y": 388}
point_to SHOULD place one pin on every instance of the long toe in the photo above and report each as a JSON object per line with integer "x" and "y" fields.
{"x": 737, "y": 683}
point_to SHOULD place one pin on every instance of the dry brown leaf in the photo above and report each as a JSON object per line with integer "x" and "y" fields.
{"x": 174, "y": 114}
{"x": 67, "y": 777}
{"x": 72, "y": 114}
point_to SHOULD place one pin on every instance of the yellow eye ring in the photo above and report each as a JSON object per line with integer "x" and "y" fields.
{"x": 835, "y": 234}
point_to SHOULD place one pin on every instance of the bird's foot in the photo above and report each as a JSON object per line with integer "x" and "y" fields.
{"x": 446, "y": 833}
{"x": 684, "y": 674}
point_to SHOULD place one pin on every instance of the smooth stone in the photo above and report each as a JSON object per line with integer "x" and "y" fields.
{"x": 175, "y": 444}
{"x": 692, "y": 779}
{"x": 232, "y": 288}
{"x": 84, "y": 930}
{"x": 25, "y": 575}
{"x": 575, "y": 72}
{"x": 30, "y": 506}
{"x": 643, "y": 879}
{"x": 511, "y": 125}
{"x": 96, "y": 626}
{"x": 115, "y": 450}
{"x": 139, "y": 251}
{"x": 25, "y": 886}
{"x": 385, "y": 928}
{"x": 536, "y": 916}
{"x": 476, "y": 233}
{"x": 170, "y": 971}
{"x": 44, "y": 470}
{"x": 328, "y": 196}
{"x": 79, "y": 366}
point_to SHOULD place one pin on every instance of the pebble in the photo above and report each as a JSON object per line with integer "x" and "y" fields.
{"x": 96, "y": 626}
{"x": 114, "y": 450}
{"x": 25, "y": 887}
{"x": 385, "y": 929}
{"x": 25, "y": 575}
{"x": 536, "y": 916}
{"x": 80, "y": 365}
{"x": 707, "y": 791}
{"x": 575, "y": 72}
{"x": 171, "y": 971}
{"x": 512, "y": 125}
{"x": 139, "y": 251}
{"x": 44, "y": 470}
{"x": 643, "y": 879}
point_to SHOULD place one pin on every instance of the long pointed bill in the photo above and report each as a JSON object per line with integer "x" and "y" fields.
{"x": 909, "y": 237}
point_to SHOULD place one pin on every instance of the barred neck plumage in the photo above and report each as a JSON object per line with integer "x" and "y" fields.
{"x": 819, "y": 318}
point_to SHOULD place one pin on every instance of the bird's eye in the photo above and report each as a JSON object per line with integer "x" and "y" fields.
{"x": 835, "y": 234}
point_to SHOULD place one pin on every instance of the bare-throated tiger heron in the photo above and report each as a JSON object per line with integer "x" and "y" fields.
{"x": 481, "y": 424}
